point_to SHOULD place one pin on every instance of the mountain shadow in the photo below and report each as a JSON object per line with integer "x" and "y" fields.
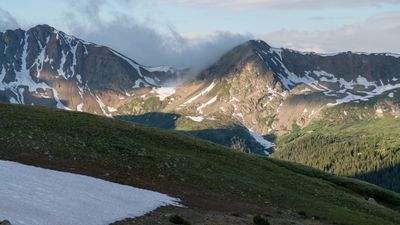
{"x": 388, "y": 177}
{"x": 234, "y": 136}
{"x": 153, "y": 119}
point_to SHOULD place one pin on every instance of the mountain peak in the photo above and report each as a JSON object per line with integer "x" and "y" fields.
{"x": 259, "y": 44}
{"x": 43, "y": 27}
{"x": 252, "y": 46}
{"x": 44, "y": 66}
{"x": 234, "y": 58}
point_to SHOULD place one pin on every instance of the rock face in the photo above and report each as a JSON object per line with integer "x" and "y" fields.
{"x": 43, "y": 66}
{"x": 5, "y": 222}
{"x": 268, "y": 89}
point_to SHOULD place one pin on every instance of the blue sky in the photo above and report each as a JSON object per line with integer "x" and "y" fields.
{"x": 199, "y": 27}
{"x": 203, "y": 17}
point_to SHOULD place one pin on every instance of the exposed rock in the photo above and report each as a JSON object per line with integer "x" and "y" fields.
{"x": 5, "y": 222}
{"x": 372, "y": 201}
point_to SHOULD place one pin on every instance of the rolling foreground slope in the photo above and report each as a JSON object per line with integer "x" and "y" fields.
{"x": 37, "y": 196}
{"x": 203, "y": 175}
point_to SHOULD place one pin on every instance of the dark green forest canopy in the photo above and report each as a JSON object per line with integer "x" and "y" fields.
{"x": 351, "y": 140}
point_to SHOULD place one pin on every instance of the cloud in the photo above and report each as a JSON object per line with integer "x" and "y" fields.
{"x": 7, "y": 21}
{"x": 151, "y": 47}
{"x": 286, "y": 4}
{"x": 147, "y": 45}
{"x": 379, "y": 33}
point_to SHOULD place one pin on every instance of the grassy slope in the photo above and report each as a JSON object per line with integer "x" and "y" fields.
{"x": 141, "y": 152}
{"x": 349, "y": 140}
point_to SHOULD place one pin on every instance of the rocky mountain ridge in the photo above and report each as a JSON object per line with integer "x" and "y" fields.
{"x": 268, "y": 89}
{"x": 44, "y": 66}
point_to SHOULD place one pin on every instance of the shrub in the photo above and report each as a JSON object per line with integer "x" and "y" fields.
{"x": 178, "y": 220}
{"x": 259, "y": 220}
{"x": 302, "y": 213}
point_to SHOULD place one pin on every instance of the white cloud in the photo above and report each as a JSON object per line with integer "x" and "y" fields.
{"x": 144, "y": 43}
{"x": 7, "y": 21}
{"x": 287, "y": 4}
{"x": 379, "y": 33}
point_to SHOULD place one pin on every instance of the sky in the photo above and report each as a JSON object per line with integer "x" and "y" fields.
{"x": 194, "y": 33}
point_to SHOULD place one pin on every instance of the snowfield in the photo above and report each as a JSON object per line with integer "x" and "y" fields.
{"x": 266, "y": 144}
{"x": 196, "y": 118}
{"x": 164, "y": 92}
{"x": 35, "y": 196}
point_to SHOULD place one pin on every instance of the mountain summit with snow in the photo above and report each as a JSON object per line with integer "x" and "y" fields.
{"x": 269, "y": 88}
{"x": 44, "y": 66}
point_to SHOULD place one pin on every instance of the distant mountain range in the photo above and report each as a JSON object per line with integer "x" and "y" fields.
{"x": 253, "y": 95}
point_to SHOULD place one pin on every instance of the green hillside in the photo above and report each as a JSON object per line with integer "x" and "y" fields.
{"x": 353, "y": 139}
{"x": 181, "y": 165}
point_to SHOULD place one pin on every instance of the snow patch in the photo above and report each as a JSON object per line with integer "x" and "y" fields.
{"x": 266, "y": 144}
{"x": 393, "y": 55}
{"x": 196, "y": 118}
{"x": 13, "y": 100}
{"x": 205, "y": 91}
{"x": 150, "y": 81}
{"x": 138, "y": 82}
{"x": 79, "y": 78}
{"x": 60, "y": 70}
{"x": 211, "y": 101}
{"x": 367, "y": 95}
{"x": 2, "y": 74}
{"x": 164, "y": 92}
{"x": 102, "y": 107}
{"x": 36, "y": 196}
{"x": 79, "y": 107}
{"x": 305, "y": 90}
{"x": 159, "y": 69}
{"x": 111, "y": 109}
{"x": 277, "y": 51}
